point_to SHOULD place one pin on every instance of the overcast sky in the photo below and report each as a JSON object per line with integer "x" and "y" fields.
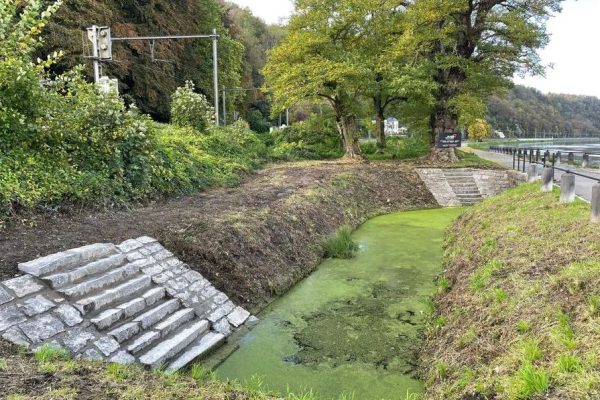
{"x": 573, "y": 50}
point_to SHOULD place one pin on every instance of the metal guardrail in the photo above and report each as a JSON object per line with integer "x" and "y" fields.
{"x": 546, "y": 158}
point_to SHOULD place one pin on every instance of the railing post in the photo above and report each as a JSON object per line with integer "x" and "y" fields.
{"x": 514, "y": 160}
{"x": 571, "y": 158}
{"x": 547, "y": 179}
{"x": 567, "y": 188}
{"x": 586, "y": 160}
{"x": 596, "y": 203}
{"x": 559, "y": 157}
{"x": 532, "y": 174}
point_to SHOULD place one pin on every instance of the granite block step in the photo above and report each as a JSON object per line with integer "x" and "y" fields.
{"x": 165, "y": 350}
{"x": 60, "y": 280}
{"x": 102, "y": 281}
{"x": 68, "y": 259}
{"x": 197, "y": 350}
{"x": 117, "y": 294}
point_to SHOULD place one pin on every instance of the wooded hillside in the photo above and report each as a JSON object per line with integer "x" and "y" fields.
{"x": 149, "y": 83}
{"x": 526, "y": 110}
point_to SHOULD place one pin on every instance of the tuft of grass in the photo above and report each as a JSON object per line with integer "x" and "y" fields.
{"x": 593, "y": 304}
{"x": 441, "y": 369}
{"x": 483, "y": 277}
{"x": 569, "y": 364}
{"x": 531, "y": 350}
{"x": 49, "y": 353}
{"x": 523, "y": 326}
{"x": 201, "y": 374}
{"x": 117, "y": 372}
{"x": 531, "y": 381}
{"x": 340, "y": 245}
{"x": 3, "y": 364}
{"x": 443, "y": 285}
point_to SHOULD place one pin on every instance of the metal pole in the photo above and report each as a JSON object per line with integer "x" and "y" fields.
{"x": 287, "y": 117}
{"x": 224, "y": 107}
{"x": 216, "y": 74}
{"x": 95, "y": 53}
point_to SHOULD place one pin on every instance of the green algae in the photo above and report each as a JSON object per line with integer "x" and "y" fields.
{"x": 353, "y": 327}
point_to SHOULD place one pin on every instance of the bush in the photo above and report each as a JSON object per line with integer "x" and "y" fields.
{"x": 396, "y": 149}
{"x": 340, "y": 245}
{"x": 191, "y": 109}
{"x": 313, "y": 139}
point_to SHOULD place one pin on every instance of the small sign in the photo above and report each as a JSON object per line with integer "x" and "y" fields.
{"x": 449, "y": 140}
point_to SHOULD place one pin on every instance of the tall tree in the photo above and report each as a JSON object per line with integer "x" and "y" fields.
{"x": 318, "y": 60}
{"x": 475, "y": 47}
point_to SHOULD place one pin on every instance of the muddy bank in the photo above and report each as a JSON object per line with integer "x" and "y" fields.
{"x": 254, "y": 241}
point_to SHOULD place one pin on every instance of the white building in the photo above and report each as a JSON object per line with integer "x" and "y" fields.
{"x": 392, "y": 127}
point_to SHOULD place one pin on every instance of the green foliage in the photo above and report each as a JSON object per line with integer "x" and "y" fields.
{"x": 118, "y": 372}
{"x": 313, "y": 139}
{"x": 48, "y": 353}
{"x": 531, "y": 381}
{"x": 340, "y": 245}
{"x": 396, "y": 149}
{"x": 523, "y": 326}
{"x": 191, "y": 109}
{"x": 569, "y": 364}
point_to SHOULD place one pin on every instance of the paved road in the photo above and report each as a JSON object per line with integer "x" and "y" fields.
{"x": 583, "y": 186}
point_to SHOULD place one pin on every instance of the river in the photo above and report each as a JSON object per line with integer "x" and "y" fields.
{"x": 353, "y": 327}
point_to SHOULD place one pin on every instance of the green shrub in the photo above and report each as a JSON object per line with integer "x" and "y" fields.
{"x": 191, "y": 109}
{"x": 48, "y": 353}
{"x": 340, "y": 245}
{"x": 313, "y": 139}
{"x": 396, "y": 149}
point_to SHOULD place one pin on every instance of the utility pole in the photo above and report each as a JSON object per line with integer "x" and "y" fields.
{"x": 215, "y": 37}
{"x": 102, "y": 50}
{"x": 224, "y": 107}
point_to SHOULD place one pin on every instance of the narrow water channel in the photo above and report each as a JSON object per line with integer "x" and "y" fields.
{"x": 353, "y": 326}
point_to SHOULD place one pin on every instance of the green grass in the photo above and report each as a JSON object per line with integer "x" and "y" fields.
{"x": 526, "y": 279}
{"x": 531, "y": 381}
{"x": 48, "y": 353}
{"x": 340, "y": 245}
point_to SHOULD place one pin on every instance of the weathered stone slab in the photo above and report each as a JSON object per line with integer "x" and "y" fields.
{"x": 133, "y": 307}
{"x": 9, "y": 316}
{"x": 23, "y": 285}
{"x": 221, "y": 312}
{"x": 151, "y": 317}
{"x": 123, "y": 357}
{"x": 49, "y": 264}
{"x": 14, "y": 335}
{"x": 170, "y": 347}
{"x": 68, "y": 314}
{"x": 107, "y": 318}
{"x": 202, "y": 347}
{"x": 222, "y": 326}
{"x": 238, "y": 317}
{"x": 153, "y": 296}
{"x": 42, "y": 328}
{"x": 107, "y": 345}
{"x": 125, "y": 332}
{"x": 130, "y": 245}
{"x": 174, "y": 321}
{"x": 77, "y": 339}
{"x": 143, "y": 341}
{"x": 36, "y": 305}
{"x": 112, "y": 296}
{"x": 5, "y": 297}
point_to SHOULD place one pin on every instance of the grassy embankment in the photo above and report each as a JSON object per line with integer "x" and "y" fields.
{"x": 519, "y": 309}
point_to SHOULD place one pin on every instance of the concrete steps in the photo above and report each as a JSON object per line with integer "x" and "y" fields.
{"x": 134, "y": 302}
{"x": 464, "y": 186}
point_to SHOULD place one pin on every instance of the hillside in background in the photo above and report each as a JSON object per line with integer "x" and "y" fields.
{"x": 149, "y": 82}
{"x": 527, "y": 111}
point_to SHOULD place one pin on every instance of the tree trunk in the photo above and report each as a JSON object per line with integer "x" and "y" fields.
{"x": 350, "y": 135}
{"x": 443, "y": 121}
{"x": 379, "y": 124}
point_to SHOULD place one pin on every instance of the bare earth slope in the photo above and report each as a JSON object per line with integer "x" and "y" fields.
{"x": 254, "y": 241}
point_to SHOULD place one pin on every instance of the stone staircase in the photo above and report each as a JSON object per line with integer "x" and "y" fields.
{"x": 129, "y": 303}
{"x": 464, "y": 186}
{"x": 455, "y": 187}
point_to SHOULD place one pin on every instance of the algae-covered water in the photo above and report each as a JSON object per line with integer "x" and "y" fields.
{"x": 353, "y": 326}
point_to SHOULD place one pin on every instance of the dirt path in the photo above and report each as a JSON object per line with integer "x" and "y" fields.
{"x": 254, "y": 241}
